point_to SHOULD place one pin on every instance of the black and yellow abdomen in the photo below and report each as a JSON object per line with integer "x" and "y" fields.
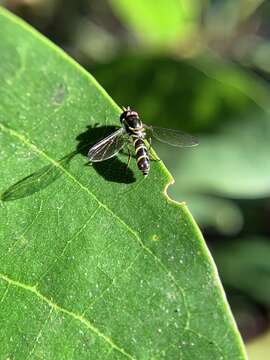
{"x": 134, "y": 128}
{"x": 142, "y": 157}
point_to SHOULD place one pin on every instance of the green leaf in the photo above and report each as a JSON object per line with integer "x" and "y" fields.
{"x": 97, "y": 262}
{"x": 159, "y": 22}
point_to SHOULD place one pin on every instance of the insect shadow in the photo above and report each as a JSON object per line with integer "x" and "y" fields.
{"x": 38, "y": 180}
{"x": 113, "y": 169}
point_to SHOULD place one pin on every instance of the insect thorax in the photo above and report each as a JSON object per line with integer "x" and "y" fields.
{"x": 132, "y": 125}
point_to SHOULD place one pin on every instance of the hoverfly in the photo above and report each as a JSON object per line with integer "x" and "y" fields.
{"x": 133, "y": 131}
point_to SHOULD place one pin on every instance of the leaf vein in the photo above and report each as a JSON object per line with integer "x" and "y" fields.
{"x": 28, "y": 227}
{"x": 113, "y": 282}
{"x": 39, "y": 334}
{"x": 5, "y": 293}
{"x": 75, "y": 316}
{"x": 68, "y": 243}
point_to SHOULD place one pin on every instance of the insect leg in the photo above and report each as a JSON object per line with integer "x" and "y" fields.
{"x": 150, "y": 143}
{"x": 152, "y": 157}
{"x": 129, "y": 157}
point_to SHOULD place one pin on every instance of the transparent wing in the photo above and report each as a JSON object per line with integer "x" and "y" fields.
{"x": 108, "y": 147}
{"x": 170, "y": 136}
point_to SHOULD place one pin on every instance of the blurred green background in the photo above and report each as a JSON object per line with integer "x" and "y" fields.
{"x": 202, "y": 67}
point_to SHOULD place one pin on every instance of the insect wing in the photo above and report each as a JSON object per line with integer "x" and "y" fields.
{"x": 170, "y": 136}
{"x": 108, "y": 147}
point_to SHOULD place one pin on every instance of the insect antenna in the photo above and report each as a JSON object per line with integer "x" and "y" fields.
{"x": 126, "y": 108}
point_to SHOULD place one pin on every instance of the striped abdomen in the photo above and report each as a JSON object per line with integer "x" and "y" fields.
{"x": 142, "y": 157}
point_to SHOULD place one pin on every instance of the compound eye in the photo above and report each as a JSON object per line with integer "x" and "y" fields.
{"x": 124, "y": 115}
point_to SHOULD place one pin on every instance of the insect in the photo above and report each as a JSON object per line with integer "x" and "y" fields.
{"x": 134, "y": 132}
